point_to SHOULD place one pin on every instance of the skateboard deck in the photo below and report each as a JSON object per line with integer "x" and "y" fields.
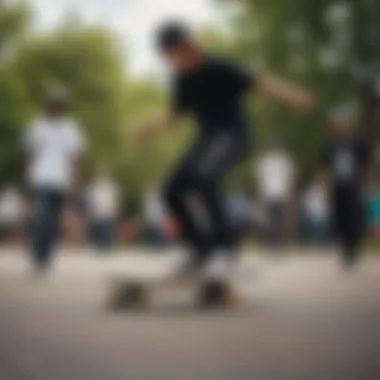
{"x": 126, "y": 292}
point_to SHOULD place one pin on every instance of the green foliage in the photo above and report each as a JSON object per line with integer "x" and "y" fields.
{"x": 13, "y": 23}
{"x": 302, "y": 42}
{"x": 106, "y": 101}
{"x": 13, "y": 100}
{"x": 86, "y": 62}
{"x": 310, "y": 42}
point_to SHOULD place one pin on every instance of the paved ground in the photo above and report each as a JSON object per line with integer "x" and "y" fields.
{"x": 305, "y": 320}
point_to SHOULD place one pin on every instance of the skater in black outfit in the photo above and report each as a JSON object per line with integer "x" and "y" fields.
{"x": 212, "y": 90}
{"x": 348, "y": 160}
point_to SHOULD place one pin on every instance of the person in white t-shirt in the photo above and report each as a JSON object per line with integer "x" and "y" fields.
{"x": 316, "y": 211}
{"x": 103, "y": 200}
{"x": 54, "y": 145}
{"x": 276, "y": 178}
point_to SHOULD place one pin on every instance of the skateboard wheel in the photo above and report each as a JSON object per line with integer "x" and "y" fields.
{"x": 128, "y": 296}
{"x": 216, "y": 294}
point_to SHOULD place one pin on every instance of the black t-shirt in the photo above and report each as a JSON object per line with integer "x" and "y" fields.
{"x": 213, "y": 94}
{"x": 347, "y": 161}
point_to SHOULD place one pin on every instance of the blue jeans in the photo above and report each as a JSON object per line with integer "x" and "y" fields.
{"x": 102, "y": 234}
{"x": 45, "y": 224}
{"x": 153, "y": 236}
{"x": 316, "y": 229}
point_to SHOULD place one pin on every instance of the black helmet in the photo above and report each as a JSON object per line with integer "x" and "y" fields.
{"x": 171, "y": 34}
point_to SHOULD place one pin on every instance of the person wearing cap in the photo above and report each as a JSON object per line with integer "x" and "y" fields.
{"x": 54, "y": 145}
{"x": 212, "y": 90}
{"x": 347, "y": 161}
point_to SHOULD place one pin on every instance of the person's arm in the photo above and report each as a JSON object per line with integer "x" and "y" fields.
{"x": 178, "y": 106}
{"x": 155, "y": 126}
{"x": 78, "y": 165}
{"x": 281, "y": 91}
{"x": 28, "y": 147}
{"x": 245, "y": 81}
{"x": 79, "y": 148}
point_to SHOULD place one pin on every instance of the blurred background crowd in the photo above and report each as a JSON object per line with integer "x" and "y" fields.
{"x": 276, "y": 210}
{"x": 330, "y": 46}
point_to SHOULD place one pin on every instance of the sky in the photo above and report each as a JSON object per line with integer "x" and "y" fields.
{"x": 132, "y": 21}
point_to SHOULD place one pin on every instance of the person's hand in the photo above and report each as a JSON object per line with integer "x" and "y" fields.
{"x": 73, "y": 192}
{"x": 286, "y": 93}
{"x": 302, "y": 100}
{"x": 70, "y": 196}
{"x": 143, "y": 133}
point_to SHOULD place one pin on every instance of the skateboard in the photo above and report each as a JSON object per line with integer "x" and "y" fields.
{"x": 133, "y": 293}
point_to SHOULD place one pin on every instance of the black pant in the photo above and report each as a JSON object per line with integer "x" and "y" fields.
{"x": 349, "y": 221}
{"x": 194, "y": 193}
{"x": 45, "y": 224}
{"x": 102, "y": 233}
{"x": 276, "y": 223}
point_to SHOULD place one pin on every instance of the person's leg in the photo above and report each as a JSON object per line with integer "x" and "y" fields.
{"x": 319, "y": 231}
{"x": 267, "y": 227}
{"x": 350, "y": 244}
{"x": 55, "y": 199}
{"x": 107, "y": 234}
{"x": 222, "y": 231}
{"x": 91, "y": 232}
{"x": 284, "y": 223}
{"x": 278, "y": 225}
{"x": 37, "y": 227}
{"x": 340, "y": 229}
{"x": 273, "y": 225}
{"x": 355, "y": 229}
{"x": 40, "y": 227}
{"x": 219, "y": 155}
{"x": 98, "y": 234}
{"x": 348, "y": 225}
{"x": 179, "y": 196}
{"x": 111, "y": 238}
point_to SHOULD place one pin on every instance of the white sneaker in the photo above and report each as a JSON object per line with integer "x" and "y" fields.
{"x": 220, "y": 266}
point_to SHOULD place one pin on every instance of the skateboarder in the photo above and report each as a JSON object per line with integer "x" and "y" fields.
{"x": 212, "y": 90}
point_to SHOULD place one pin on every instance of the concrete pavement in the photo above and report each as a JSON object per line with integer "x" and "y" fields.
{"x": 306, "y": 319}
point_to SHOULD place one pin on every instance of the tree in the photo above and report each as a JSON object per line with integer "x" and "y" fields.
{"x": 13, "y": 101}
{"x": 107, "y": 102}
{"x": 311, "y": 42}
{"x": 13, "y": 23}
